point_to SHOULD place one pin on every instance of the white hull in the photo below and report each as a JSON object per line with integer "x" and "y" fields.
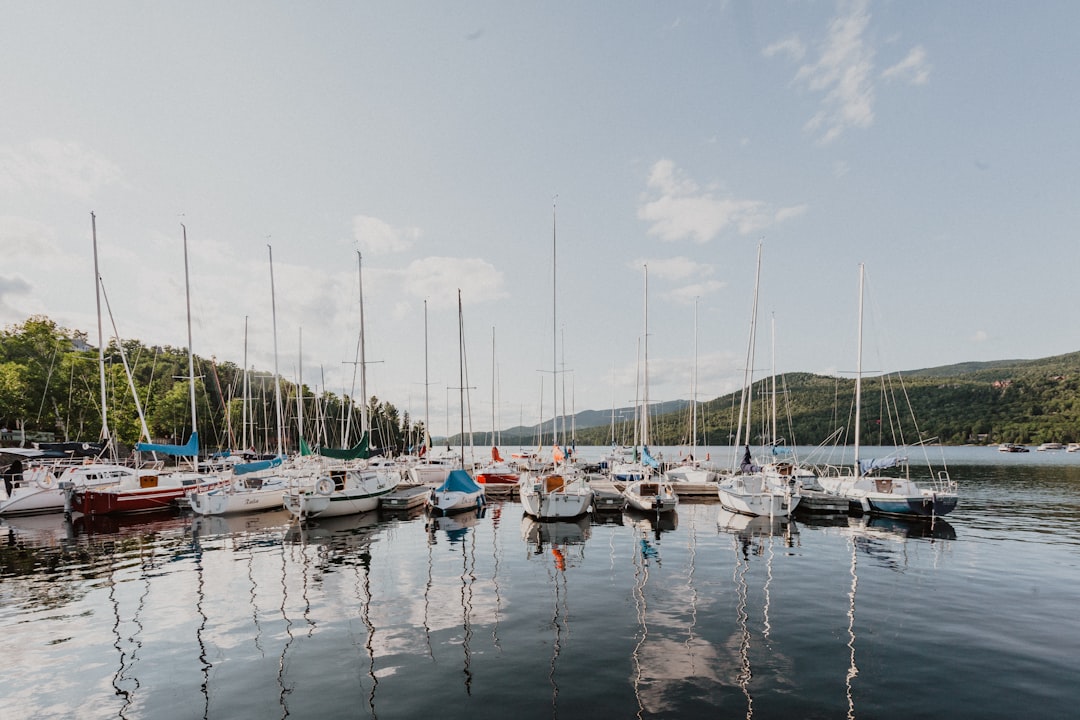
{"x": 651, "y": 496}
{"x": 342, "y": 492}
{"x": 237, "y": 499}
{"x": 454, "y": 501}
{"x": 691, "y": 474}
{"x": 422, "y": 474}
{"x": 550, "y": 497}
{"x": 40, "y": 489}
{"x": 753, "y": 495}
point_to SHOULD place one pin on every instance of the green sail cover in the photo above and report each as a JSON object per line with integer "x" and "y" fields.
{"x": 305, "y": 449}
{"x": 359, "y": 451}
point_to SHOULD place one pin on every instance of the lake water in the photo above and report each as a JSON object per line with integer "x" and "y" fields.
{"x": 494, "y": 616}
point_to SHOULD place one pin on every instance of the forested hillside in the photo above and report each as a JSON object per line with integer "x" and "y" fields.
{"x": 50, "y": 389}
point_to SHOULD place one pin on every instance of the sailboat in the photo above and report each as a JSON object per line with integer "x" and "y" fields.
{"x": 749, "y": 490}
{"x": 691, "y": 469}
{"x": 39, "y": 486}
{"x": 562, "y": 492}
{"x": 351, "y": 485}
{"x": 257, "y": 485}
{"x": 148, "y": 492}
{"x": 497, "y": 471}
{"x": 867, "y": 489}
{"x": 459, "y": 492}
{"x": 650, "y": 493}
{"x": 429, "y": 467}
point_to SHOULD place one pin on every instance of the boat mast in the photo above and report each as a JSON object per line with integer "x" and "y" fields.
{"x": 300, "y": 396}
{"x": 858, "y": 377}
{"x": 693, "y": 387}
{"x": 277, "y": 378}
{"x": 191, "y": 353}
{"x": 105, "y": 434}
{"x": 772, "y": 328}
{"x": 245, "y": 409}
{"x": 746, "y": 401}
{"x": 554, "y": 335}
{"x": 427, "y": 388}
{"x": 363, "y": 363}
{"x": 645, "y": 382}
{"x": 461, "y": 374}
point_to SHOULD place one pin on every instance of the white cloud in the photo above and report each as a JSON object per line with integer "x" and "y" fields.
{"x": 843, "y": 73}
{"x": 377, "y": 237}
{"x": 686, "y": 294}
{"x": 11, "y": 286}
{"x": 792, "y": 46}
{"x": 676, "y": 208}
{"x": 980, "y": 336}
{"x": 21, "y": 236}
{"x": 52, "y": 165}
{"x": 676, "y": 268}
{"x": 913, "y": 69}
{"x": 438, "y": 279}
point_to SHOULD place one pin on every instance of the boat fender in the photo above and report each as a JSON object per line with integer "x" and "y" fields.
{"x": 325, "y": 486}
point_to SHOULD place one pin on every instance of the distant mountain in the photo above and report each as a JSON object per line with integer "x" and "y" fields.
{"x": 1022, "y": 401}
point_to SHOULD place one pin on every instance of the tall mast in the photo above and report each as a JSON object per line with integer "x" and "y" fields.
{"x": 300, "y": 395}
{"x": 554, "y": 335}
{"x": 493, "y": 385}
{"x": 645, "y": 383}
{"x": 191, "y": 352}
{"x": 244, "y": 408}
{"x": 858, "y": 377}
{"x": 746, "y": 401}
{"x": 461, "y": 374}
{"x": 427, "y": 386}
{"x": 693, "y": 386}
{"x": 363, "y": 363}
{"x": 105, "y": 434}
{"x": 277, "y": 378}
{"x": 772, "y": 328}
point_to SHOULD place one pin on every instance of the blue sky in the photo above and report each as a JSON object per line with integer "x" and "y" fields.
{"x": 934, "y": 142}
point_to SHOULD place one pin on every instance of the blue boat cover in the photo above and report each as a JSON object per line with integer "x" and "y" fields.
{"x": 245, "y": 468}
{"x": 458, "y": 481}
{"x": 647, "y": 458}
{"x": 189, "y": 450}
{"x": 872, "y": 464}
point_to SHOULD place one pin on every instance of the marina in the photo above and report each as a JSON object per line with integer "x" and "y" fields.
{"x": 694, "y": 613}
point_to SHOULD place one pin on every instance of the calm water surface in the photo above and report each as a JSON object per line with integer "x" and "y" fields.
{"x": 705, "y": 615}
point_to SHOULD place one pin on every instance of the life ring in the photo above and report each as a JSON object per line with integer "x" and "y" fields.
{"x": 325, "y": 486}
{"x": 47, "y": 481}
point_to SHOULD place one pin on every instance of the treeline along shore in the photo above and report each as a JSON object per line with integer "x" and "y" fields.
{"x": 50, "y": 390}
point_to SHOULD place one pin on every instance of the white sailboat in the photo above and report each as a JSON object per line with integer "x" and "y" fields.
{"x": 652, "y": 493}
{"x": 691, "y": 469}
{"x": 258, "y": 485}
{"x": 749, "y": 490}
{"x": 145, "y": 492}
{"x": 863, "y": 484}
{"x": 459, "y": 492}
{"x": 563, "y": 492}
{"x": 349, "y": 486}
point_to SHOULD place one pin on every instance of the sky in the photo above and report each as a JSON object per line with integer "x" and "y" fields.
{"x": 475, "y": 145}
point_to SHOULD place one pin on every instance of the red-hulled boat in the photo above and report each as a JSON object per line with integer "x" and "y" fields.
{"x": 498, "y": 471}
{"x": 154, "y": 492}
